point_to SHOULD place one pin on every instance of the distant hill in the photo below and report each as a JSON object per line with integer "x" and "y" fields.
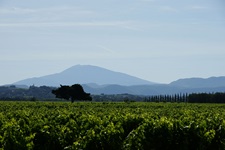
{"x": 211, "y": 82}
{"x": 85, "y": 74}
{"x": 97, "y": 80}
{"x": 188, "y": 85}
{"x": 156, "y": 89}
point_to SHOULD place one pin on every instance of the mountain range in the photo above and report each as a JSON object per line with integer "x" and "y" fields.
{"x": 97, "y": 80}
{"x": 85, "y": 74}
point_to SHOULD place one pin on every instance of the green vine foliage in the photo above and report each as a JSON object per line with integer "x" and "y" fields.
{"x": 100, "y": 126}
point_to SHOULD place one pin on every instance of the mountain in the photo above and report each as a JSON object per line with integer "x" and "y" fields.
{"x": 188, "y": 85}
{"x": 85, "y": 74}
{"x": 211, "y": 82}
{"x": 97, "y": 80}
{"x": 156, "y": 89}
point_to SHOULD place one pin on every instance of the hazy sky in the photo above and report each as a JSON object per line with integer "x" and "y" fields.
{"x": 157, "y": 40}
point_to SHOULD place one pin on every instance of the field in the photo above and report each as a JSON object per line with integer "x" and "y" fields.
{"x": 63, "y": 125}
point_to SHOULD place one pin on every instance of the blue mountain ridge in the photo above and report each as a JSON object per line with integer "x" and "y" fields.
{"x": 85, "y": 74}
{"x": 97, "y": 80}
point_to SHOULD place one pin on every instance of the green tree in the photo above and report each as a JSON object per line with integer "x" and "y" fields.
{"x": 73, "y": 93}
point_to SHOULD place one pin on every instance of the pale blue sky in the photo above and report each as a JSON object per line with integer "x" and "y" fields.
{"x": 157, "y": 40}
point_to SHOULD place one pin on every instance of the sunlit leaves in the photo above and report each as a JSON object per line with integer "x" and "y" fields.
{"x": 38, "y": 125}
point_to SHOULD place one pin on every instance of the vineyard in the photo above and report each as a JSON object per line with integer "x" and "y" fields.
{"x": 89, "y": 125}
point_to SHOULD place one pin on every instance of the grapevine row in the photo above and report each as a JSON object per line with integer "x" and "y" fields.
{"x": 42, "y": 125}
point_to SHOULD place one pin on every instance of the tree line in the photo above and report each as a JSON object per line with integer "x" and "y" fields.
{"x": 168, "y": 98}
{"x": 217, "y": 97}
{"x": 42, "y": 93}
{"x": 77, "y": 93}
{"x": 26, "y": 94}
{"x": 207, "y": 98}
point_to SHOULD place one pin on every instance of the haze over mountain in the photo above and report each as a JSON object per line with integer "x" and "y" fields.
{"x": 85, "y": 74}
{"x": 97, "y": 80}
{"x": 200, "y": 82}
{"x": 156, "y": 89}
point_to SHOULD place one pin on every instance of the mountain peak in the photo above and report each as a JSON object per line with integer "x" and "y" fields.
{"x": 84, "y": 67}
{"x": 84, "y": 74}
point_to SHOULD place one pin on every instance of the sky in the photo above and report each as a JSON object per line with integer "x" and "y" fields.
{"x": 157, "y": 40}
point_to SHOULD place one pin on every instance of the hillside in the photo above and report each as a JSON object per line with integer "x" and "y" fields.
{"x": 97, "y": 80}
{"x": 211, "y": 82}
{"x": 85, "y": 74}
